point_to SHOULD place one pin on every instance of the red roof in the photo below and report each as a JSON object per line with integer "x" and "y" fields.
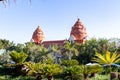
{"x": 54, "y": 42}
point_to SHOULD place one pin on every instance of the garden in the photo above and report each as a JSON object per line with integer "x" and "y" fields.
{"x": 95, "y": 59}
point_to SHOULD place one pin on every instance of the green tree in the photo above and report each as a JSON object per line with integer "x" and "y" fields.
{"x": 5, "y": 58}
{"x": 103, "y": 45}
{"x": 18, "y": 48}
{"x": 32, "y": 50}
{"x": 5, "y": 44}
{"x": 37, "y": 53}
{"x": 56, "y": 50}
{"x": 70, "y": 50}
{"x": 86, "y": 51}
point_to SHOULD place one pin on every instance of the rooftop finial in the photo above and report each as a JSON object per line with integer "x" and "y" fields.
{"x": 38, "y": 26}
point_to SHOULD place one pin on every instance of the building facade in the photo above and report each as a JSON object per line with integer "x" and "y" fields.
{"x": 78, "y": 34}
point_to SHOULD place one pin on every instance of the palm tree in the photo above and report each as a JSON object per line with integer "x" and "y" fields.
{"x": 32, "y": 50}
{"x": 70, "y": 49}
{"x": 87, "y": 51}
{"x": 103, "y": 45}
{"x": 56, "y": 50}
{"x": 45, "y": 54}
{"x": 5, "y": 44}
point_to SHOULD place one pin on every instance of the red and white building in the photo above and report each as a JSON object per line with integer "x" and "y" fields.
{"x": 78, "y": 34}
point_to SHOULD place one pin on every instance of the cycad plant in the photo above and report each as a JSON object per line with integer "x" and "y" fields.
{"x": 72, "y": 72}
{"x": 35, "y": 69}
{"x": 18, "y": 57}
{"x": 107, "y": 59}
{"x": 52, "y": 69}
{"x": 87, "y": 70}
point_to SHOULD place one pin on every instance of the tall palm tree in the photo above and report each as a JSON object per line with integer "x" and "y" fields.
{"x": 87, "y": 51}
{"x": 70, "y": 49}
{"x": 56, "y": 50}
{"x": 5, "y": 44}
{"x": 103, "y": 45}
{"x": 45, "y": 55}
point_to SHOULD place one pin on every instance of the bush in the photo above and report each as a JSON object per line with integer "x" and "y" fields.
{"x": 69, "y": 63}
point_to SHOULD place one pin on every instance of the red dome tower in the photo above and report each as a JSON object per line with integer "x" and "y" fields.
{"x": 78, "y": 32}
{"x": 38, "y": 35}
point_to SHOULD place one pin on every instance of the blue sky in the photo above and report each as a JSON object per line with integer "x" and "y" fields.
{"x": 56, "y": 17}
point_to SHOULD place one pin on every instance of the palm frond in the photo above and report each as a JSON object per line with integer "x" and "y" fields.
{"x": 107, "y": 56}
{"x": 101, "y": 57}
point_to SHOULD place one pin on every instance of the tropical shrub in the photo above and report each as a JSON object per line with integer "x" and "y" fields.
{"x": 18, "y": 57}
{"x": 52, "y": 69}
{"x": 72, "y": 73}
{"x": 69, "y": 63}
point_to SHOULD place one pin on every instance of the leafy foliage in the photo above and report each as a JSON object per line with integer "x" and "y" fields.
{"x": 35, "y": 69}
{"x": 70, "y": 50}
{"x": 18, "y": 57}
{"x": 88, "y": 70}
{"x": 72, "y": 72}
{"x": 107, "y": 59}
{"x": 52, "y": 69}
{"x": 5, "y": 44}
{"x": 69, "y": 63}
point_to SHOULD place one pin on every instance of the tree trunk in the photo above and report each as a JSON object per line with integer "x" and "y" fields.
{"x": 93, "y": 75}
{"x": 114, "y": 75}
{"x": 50, "y": 77}
{"x": 86, "y": 77}
{"x": 39, "y": 77}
